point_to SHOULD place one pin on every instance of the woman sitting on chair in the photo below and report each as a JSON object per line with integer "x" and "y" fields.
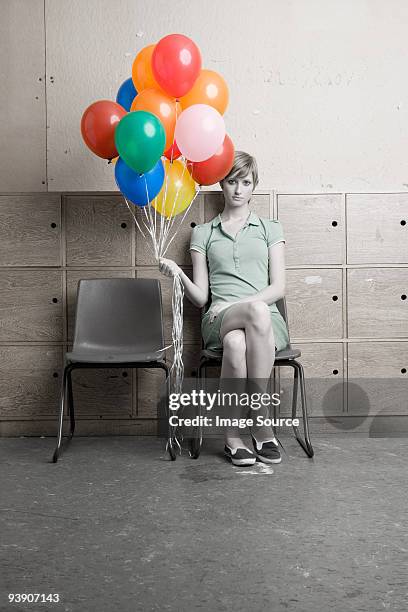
{"x": 241, "y": 257}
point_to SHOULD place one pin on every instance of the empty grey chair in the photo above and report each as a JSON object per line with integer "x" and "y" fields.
{"x": 118, "y": 324}
{"x": 286, "y": 357}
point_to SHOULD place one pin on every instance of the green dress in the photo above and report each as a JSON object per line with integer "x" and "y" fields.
{"x": 238, "y": 267}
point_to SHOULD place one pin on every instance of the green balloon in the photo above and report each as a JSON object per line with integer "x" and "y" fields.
{"x": 140, "y": 139}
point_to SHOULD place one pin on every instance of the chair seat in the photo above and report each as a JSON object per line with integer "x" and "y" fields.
{"x": 287, "y": 353}
{"x": 100, "y": 356}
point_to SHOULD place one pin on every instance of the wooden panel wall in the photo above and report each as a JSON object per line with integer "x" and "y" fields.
{"x": 347, "y": 287}
{"x": 48, "y": 242}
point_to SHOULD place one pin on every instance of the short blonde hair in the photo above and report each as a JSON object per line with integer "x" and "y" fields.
{"x": 243, "y": 164}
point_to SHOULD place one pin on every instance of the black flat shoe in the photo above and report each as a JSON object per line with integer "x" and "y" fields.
{"x": 267, "y": 452}
{"x": 240, "y": 456}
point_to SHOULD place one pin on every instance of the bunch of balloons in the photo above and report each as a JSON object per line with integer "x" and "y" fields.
{"x": 166, "y": 133}
{"x": 166, "y": 128}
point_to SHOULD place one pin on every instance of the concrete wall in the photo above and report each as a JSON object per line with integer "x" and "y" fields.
{"x": 318, "y": 87}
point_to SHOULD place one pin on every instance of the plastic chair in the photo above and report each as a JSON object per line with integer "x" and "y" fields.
{"x": 118, "y": 324}
{"x": 285, "y": 357}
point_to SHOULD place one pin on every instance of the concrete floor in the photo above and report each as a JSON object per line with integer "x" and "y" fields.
{"x": 113, "y": 526}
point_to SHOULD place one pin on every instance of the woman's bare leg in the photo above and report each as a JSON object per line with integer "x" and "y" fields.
{"x": 234, "y": 367}
{"x": 255, "y": 320}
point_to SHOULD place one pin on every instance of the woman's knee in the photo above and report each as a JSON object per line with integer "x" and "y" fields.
{"x": 259, "y": 316}
{"x": 234, "y": 347}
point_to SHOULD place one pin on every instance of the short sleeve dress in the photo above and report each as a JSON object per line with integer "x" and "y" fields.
{"x": 238, "y": 267}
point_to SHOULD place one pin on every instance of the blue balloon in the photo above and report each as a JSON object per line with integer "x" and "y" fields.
{"x": 140, "y": 189}
{"x": 126, "y": 94}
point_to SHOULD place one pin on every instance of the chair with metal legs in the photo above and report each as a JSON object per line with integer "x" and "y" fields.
{"x": 285, "y": 357}
{"x": 118, "y": 324}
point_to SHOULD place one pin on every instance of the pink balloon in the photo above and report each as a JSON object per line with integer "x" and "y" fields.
{"x": 200, "y": 132}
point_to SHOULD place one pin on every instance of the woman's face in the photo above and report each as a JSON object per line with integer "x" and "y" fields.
{"x": 238, "y": 191}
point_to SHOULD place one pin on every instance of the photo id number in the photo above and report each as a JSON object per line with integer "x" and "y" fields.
{"x": 33, "y": 598}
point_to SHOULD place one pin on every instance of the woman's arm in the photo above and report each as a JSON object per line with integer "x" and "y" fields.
{"x": 196, "y": 290}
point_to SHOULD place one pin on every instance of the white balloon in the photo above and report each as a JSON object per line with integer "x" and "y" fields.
{"x": 200, "y": 132}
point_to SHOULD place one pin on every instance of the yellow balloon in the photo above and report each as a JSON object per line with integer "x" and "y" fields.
{"x": 174, "y": 198}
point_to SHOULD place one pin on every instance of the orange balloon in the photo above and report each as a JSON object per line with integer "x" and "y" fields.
{"x": 161, "y": 105}
{"x": 142, "y": 74}
{"x": 210, "y": 88}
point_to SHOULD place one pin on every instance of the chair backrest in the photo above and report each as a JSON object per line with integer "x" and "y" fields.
{"x": 119, "y": 313}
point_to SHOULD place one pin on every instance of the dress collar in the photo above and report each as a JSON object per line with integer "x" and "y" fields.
{"x": 253, "y": 219}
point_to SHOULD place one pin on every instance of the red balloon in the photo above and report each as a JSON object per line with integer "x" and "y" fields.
{"x": 215, "y": 168}
{"x": 176, "y": 64}
{"x": 173, "y": 150}
{"x": 98, "y": 125}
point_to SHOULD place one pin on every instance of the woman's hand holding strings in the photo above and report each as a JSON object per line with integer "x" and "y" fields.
{"x": 168, "y": 267}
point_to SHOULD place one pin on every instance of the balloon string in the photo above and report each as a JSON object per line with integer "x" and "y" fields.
{"x": 138, "y": 226}
{"x": 151, "y": 232}
{"x": 176, "y": 372}
{"x": 148, "y": 229}
{"x": 177, "y": 369}
{"x": 163, "y": 208}
{"x": 151, "y": 224}
{"x": 181, "y": 222}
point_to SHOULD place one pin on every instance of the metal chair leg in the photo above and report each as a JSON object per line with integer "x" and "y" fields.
{"x": 275, "y": 407}
{"x": 170, "y": 444}
{"x": 170, "y": 449}
{"x": 71, "y": 405}
{"x": 197, "y": 441}
{"x": 299, "y": 374}
{"x": 295, "y": 391}
{"x": 171, "y": 432}
{"x": 61, "y": 414}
